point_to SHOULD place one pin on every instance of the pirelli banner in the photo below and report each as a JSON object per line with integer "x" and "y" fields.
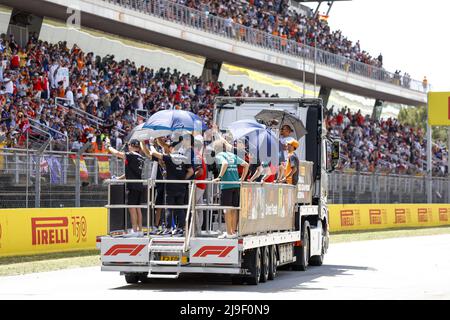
{"x": 267, "y": 207}
{"x": 387, "y": 216}
{"x": 36, "y": 231}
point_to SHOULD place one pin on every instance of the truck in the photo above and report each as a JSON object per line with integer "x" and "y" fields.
{"x": 280, "y": 225}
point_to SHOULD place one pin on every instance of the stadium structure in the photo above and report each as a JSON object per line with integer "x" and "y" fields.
{"x": 191, "y": 40}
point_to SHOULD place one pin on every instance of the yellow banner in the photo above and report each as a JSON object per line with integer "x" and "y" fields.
{"x": 37, "y": 231}
{"x": 439, "y": 108}
{"x": 387, "y": 216}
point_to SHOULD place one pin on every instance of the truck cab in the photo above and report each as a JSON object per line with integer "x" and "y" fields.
{"x": 315, "y": 149}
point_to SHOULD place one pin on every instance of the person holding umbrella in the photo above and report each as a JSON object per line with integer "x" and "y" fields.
{"x": 134, "y": 163}
{"x": 178, "y": 167}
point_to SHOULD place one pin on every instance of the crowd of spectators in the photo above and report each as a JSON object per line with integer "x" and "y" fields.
{"x": 102, "y": 87}
{"x": 383, "y": 146}
{"x": 278, "y": 18}
{"x": 113, "y": 91}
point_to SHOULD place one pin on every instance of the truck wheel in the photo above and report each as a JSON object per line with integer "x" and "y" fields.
{"x": 131, "y": 278}
{"x": 318, "y": 260}
{"x": 273, "y": 262}
{"x": 237, "y": 280}
{"x": 265, "y": 264}
{"x": 143, "y": 278}
{"x": 253, "y": 263}
{"x": 302, "y": 253}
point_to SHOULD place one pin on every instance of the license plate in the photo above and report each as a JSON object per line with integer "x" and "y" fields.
{"x": 173, "y": 258}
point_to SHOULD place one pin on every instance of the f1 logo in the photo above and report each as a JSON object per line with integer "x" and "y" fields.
{"x": 130, "y": 249}
{"x": 220, "y": 251}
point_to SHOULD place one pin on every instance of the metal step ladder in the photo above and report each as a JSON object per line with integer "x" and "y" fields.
{"x": 177, "y": 248}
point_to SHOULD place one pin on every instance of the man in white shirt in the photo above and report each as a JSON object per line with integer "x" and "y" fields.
{"x": 69, "y": 96}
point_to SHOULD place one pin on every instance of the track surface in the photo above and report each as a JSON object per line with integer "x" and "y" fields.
{"x": 401, "y": 268}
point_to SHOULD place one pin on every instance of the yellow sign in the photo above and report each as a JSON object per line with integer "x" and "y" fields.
{"x": 387, "y": 216}
{"x": 36, "y": 231}
{"x": 439, "y": 108}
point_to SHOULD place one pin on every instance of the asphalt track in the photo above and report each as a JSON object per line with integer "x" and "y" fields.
{"x": 400, "y": 268}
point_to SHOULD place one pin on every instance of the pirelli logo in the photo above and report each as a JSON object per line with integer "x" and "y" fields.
{"x": 375, "y": 216}
{"x": 347, "y": 218}
{"x": 443, "y": 214}
{"x": 46, "y": 231}
{"x": 422, "y": 215}
{"x": 400, "y": 216}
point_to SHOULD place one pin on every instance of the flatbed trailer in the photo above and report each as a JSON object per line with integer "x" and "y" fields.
{"x": 279, "y": 224}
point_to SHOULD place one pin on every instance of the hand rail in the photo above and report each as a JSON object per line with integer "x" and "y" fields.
{"x": 171, "y": 11}
{"x": 58, "y": 133}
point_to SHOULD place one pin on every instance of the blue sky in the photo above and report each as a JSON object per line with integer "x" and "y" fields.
{"x": 412, "y": 35}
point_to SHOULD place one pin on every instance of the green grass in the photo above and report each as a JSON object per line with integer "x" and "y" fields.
{"x": 56, "y": 261}
{"x": 386, "y": 234}
{"x": 48, "y": 262}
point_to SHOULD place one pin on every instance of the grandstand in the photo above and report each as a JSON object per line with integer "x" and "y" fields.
{"x": 60, "y": 97}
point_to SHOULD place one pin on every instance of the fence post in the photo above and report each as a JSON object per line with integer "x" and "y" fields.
{"x": 16, "y": 156}
{"x": 77, "y": 181}
{"x": 65, "y": 166}
{"x": 37, "y": 182}
{"x": 96, "y": 170}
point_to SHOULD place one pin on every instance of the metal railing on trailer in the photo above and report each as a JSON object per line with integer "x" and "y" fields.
{"x": 211, "y": 207}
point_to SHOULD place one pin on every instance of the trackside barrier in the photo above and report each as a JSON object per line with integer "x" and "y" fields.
{"x": 387, "y": 216}
{"x": 38, "y": 231}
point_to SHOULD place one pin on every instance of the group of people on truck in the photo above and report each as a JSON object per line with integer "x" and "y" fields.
{"x": 183, "y": 158}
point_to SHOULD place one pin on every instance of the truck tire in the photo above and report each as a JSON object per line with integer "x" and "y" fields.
{"x": 131, "y": 278}
{"x": 303, "y": 252}
{"x": 143, "y": 278}
{"x": 273, "y": 262}
{"x": 317, "y": 261}
{"x": 252, "y": 262}
{"x": 237, "y": 280}
{"x": 265, "y": 264}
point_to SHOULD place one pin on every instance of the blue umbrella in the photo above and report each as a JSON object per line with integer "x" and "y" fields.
{"x": 262, "y": 141}
{"x": 165, "y": 122}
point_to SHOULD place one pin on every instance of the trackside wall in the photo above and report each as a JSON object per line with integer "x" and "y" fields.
{"x": 38, "y": 231}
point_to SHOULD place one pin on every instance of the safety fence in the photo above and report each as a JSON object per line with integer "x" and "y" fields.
{"x": 29, "y": 179}
{"x": 358, "y": 187}
{"x": 204, "y": 21}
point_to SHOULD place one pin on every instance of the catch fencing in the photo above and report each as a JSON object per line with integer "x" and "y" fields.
{"x": 358, "y": 187}
{"x": 29, "y": 179}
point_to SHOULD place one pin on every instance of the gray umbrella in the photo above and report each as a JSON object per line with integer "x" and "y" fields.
{"x": 283, "y": 118}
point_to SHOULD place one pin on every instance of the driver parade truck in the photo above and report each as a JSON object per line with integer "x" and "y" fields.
{"x": 280, "y": 225}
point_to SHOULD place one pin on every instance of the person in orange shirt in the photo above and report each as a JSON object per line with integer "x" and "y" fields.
{"x": 292, "y": 164}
